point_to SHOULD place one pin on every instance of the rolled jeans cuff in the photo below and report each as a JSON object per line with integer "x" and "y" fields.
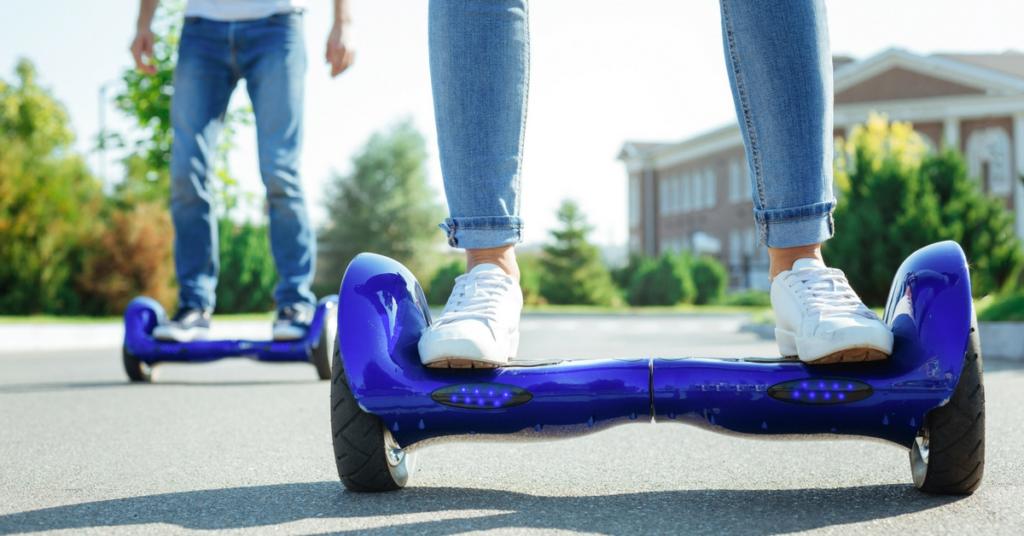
{"x": 482, "y": 232}
{"x": 796, "y": 226}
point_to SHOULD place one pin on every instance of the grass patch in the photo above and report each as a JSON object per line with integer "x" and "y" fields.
{"x": 1005, "y": 308}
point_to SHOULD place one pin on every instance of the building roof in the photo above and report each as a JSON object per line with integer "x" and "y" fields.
{"x": 1010, "y": 62}
{"x": 996, "y": 74}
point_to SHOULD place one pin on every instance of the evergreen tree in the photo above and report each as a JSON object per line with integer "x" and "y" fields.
{"x": 572, "y": 269}
{"x": 885, "y": 211}
{"x": 894, "y": 198}
{"x": 982, "y": 226}
{"x": 384, "y": 205}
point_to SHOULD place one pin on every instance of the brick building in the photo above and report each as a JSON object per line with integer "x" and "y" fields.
{"x": 694, "y": 194}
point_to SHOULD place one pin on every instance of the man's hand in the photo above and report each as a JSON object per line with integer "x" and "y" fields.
{"x": 339, "y": 52}
{"x": 142, "y": 51}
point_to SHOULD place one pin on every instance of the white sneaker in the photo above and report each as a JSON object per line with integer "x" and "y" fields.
{"x": 819, "y": 318}
{"x": 479, "y": 327}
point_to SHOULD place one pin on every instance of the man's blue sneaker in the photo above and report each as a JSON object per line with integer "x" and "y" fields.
{"x": 292, "y": 321}
{"x": 188, "y": 324}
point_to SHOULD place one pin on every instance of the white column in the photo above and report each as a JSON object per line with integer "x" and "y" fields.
{"x": 1018, "y": 158}
{"x": 951, "y": 132}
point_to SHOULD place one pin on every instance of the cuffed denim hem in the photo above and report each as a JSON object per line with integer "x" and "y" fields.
{"x": 797, "y": 226}
{"x": 482, "y": 232}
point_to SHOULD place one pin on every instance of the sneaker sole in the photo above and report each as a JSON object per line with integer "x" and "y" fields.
{"x": 461, "y": 363}
{"x": 851, "y": 355}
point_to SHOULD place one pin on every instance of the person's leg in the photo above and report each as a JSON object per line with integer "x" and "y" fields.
{"x": 203, "y": 82}
{"x": 479, "y": 59}
{"x": 780, "y": 70}
{"x": 272, "y": 59}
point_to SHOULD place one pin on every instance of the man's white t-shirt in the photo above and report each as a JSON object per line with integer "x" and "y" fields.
{"x": 228, "y": 10}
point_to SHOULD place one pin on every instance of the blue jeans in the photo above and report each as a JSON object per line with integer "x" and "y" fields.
{"x": 270, "y": 55}
{"x": 780, "y": 69}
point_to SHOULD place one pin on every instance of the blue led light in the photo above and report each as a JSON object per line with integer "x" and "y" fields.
{"x": 823, "y": 391}
{"x": 481, "y": 396}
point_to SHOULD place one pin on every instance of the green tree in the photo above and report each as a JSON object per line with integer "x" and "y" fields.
{"x": 572, "y": 269}
{"x": 49, "y": 202}
{"x": 146, "y": 98}
{"x": 884, "y": 211}
{"x": 895, "y": 198}
{"x": 710, "y": 280}
{"x": 384, "y": 205}
{"x": 982, "y": 226}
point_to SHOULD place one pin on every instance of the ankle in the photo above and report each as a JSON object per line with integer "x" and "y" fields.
{"x": 503, "y": 257}
{"x": 782, "y": 259}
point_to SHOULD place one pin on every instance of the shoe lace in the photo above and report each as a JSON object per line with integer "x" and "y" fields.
{"x": 476, "y": 297}
{"x": 826, "y": 291}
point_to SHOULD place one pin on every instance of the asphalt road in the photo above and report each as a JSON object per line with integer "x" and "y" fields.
{"x": 237, "y": 446}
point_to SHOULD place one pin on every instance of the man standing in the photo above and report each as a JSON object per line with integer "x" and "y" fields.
{"x": 223, "y": 41}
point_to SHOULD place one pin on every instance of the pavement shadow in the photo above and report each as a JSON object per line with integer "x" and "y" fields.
{"x": 691, "y": 511}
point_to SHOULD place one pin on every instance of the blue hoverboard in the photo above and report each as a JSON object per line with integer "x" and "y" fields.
{"x": 141, "y": 352}
{"x": 927, "y": 397}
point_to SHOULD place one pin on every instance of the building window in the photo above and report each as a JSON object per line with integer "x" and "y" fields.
{"x": 710, "y": 188}
{"x": 634, "y": 201}
{"x": 739, "y": 181}
{"x": 677, "y": 197}
{"x": 988, "y": 160}
{"x": 663, "y": 196}
{"x": 698, "y": 190}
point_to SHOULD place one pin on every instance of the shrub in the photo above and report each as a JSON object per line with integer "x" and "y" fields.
{"x": 666, "y": 280}
{"x": 710, "y": 279}
{"x": 1006, "y": 307}
{"x": 758, "y": 298}
{"x": 130, "y": 257}
{"x": 443, "y": 282}
{"x": 530, "y": 269}
{"x": 50, "y": 205}
{"x": 247, "y": 271}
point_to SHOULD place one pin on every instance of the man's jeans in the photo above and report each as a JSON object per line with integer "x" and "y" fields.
{"x": 780, "y": 69}
{"x": 270, "y": 55}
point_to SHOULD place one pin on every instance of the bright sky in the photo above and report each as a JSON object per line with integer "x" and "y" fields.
{"x": 603, "y": 71}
